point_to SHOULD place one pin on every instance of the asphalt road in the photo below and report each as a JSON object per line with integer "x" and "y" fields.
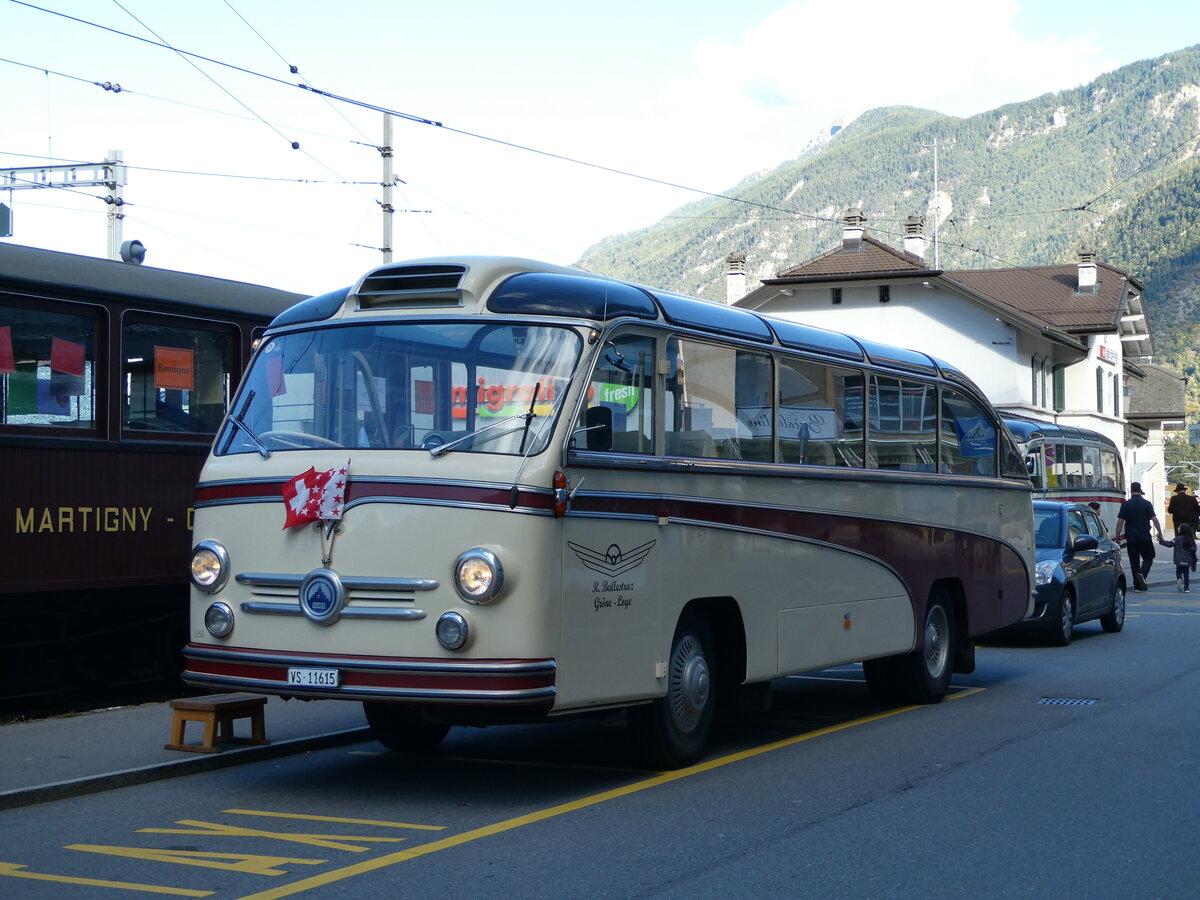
{"x": 1050, "y": 773}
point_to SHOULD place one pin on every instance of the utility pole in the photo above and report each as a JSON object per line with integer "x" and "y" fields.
{"x": 937, "y": 207}
{"x": 388, "y": 210}
{"x": 110, "y": 174}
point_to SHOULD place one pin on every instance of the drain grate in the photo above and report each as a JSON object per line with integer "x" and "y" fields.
{"x": 1067, "y": 701}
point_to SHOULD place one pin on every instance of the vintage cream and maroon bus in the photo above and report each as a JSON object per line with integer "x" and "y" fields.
{"x": 482, "y": 490}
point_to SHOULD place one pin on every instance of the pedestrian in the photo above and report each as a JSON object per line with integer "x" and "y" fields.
{"x": 1184, "y": 509}
{"x": 1184, "y": 556}
{"x": 1135, "y": 517}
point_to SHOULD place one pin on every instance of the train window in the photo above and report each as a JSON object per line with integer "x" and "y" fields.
{"x": 174, "y": 377}
{"x": 47, "y": 368}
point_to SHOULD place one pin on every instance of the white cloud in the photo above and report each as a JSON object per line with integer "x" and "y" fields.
{"x": 782, "y": 81}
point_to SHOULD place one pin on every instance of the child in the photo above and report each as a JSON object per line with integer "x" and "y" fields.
{"x": 1184, "y": 556}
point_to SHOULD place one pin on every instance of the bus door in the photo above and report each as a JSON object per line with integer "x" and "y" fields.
{"x": 612, "y": 551}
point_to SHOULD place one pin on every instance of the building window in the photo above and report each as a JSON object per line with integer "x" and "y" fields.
{"x": 836, "y": 294}
{"x": 885, "y": 293}
{"x": 1116, "y": 394}
{"x": 1060, "y": 388}
{"x": 1034, "y": 372}
{"x": 1099, "y": 390}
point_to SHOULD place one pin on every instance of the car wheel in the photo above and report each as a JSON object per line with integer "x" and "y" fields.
{"x": 1064, "y": 626}
{"x": 1114, "y": 620}
{"x": 403, "y": 728}
{"x": 673, "y": 731}
{"x": 922, "y": 676}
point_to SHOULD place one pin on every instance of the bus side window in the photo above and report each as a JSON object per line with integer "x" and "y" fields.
{"x": 623, "y": 384}
{"x": 969, "y": 438}
{"x": 903, "y": 425}
{"x": 720, "y": 402}
{"x": 47, "y": 368}
{"x": 820, "y": 414}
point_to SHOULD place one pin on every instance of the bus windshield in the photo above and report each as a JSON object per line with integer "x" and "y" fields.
{"x": 466, "y": 387}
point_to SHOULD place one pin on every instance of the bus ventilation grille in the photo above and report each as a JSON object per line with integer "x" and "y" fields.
{"x": 412, "y": 286}
{"x": 1067, "y": 701}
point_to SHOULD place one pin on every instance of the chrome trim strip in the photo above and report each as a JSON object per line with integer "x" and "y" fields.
{"x": 499, "y": 698}
{"x": 347, "y": 612}
{"x": 351, "y": 582}
{"x": 441, "y": 667}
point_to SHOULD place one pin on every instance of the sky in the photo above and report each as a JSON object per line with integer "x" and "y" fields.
{"x": 528, "y": 128}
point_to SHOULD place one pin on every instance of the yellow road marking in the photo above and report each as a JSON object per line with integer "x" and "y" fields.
{"x": 325, "y": 841}
{"x": 466, "y": 837}
{"x": 232, "y": 862}
{"x": 12, "y": 870}
{"x": 311, "y": 818}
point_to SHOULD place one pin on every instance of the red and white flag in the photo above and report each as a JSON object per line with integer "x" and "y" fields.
{"x": 316, "y": 496}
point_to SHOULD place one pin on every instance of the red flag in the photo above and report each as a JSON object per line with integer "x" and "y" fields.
{"x": 316, "y": 496}
{"x": 7, "y": 363}
{"x": 66, "y": 356}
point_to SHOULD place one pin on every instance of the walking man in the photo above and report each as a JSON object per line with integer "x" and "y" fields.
{"x": 1134, "y": 519}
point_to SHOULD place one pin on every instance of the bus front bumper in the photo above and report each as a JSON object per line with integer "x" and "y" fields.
{"x": 479, "y": 682}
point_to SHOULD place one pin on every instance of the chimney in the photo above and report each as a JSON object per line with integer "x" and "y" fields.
{"x": 1087, "y": 271}
{"x": 735, "y": 277}
{"x": 854, "y": 229}
{"x": 914, "y": 236}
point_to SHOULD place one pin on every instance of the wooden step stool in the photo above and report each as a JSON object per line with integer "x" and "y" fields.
{"x": 217, "y": 712}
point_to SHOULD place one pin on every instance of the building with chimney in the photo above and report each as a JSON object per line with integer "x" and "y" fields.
{"x": 1068, "y": 344}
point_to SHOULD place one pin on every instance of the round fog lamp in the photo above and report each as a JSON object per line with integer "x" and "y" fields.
{"x": 478, "y": 576}
{"x": 218, "y": 619}
{"x": 210, "y": 566}
{"x": 452, "y": 630}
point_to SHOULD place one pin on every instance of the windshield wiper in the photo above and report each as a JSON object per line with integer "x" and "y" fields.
{"x": 236, "y": 418}
{"x": 470, "y": 436}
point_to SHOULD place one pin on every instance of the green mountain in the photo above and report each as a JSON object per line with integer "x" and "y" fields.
{"x": 1112, "y": 165}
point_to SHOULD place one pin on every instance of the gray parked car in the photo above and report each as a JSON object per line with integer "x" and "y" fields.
{"x": 1079, "y": 573}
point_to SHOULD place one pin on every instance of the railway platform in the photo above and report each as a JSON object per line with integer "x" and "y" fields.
{"x": 74, "y": 755}
{"x": 83, "y": 753}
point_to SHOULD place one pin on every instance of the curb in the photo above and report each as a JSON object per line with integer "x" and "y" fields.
{"x": 94, "y": 784}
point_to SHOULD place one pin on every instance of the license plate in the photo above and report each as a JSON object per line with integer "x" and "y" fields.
{"x": 313, "y": 677}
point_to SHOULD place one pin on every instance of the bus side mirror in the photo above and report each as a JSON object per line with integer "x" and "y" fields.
{"x": 599, "y": 430}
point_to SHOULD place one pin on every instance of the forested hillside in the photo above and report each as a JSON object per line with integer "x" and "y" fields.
{"x": 1112, "y": 165}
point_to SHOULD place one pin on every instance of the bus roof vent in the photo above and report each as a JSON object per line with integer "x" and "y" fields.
{"x": 422, "y": 285}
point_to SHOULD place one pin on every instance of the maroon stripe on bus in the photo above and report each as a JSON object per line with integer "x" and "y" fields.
{"x": 365, "y": 490}
{"x": 992, "y": 573}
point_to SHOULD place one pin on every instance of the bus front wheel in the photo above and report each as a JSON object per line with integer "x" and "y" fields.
{"x": 922, "y": 676}
{"x": 401, "y": 728}
{"x": 673, "y": 730}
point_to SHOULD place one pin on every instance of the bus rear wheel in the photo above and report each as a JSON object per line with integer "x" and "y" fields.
{"x": 673, "y": 731}
{"x": 402, "y": 728}
{"x": 922, "y": 676}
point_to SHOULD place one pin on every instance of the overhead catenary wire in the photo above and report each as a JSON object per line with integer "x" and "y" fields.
{"x": 330, "y": 96}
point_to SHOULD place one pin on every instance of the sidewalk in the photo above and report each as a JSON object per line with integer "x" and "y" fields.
{"x": 66, "y": 756}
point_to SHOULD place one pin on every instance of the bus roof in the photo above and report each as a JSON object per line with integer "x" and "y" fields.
{"x": 1024, "y": 429}
{"x": 515, "y": 286}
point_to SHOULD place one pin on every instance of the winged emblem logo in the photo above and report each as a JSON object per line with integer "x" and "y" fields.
{"x": 613, "y": 561}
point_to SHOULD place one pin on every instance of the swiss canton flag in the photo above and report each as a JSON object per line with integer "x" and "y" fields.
{"x": 316, "y": 496}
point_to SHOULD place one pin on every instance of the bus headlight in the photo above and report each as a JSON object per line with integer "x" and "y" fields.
{"x": 452, "y": 630}
{"x": 210, "y": 566}
{"x": 478, "y": 576}
{"x": 218, "y": 619}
